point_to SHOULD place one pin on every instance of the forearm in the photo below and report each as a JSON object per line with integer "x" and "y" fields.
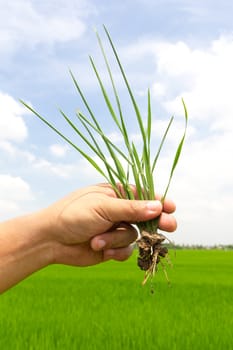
{"x": 24, "y": 248}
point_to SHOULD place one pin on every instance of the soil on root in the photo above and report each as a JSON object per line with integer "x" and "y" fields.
{"x": 151, "y": 250}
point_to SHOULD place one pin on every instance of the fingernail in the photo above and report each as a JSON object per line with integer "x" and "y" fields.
{"x": 101, "y": 244}
{"x": 154, "y": 206}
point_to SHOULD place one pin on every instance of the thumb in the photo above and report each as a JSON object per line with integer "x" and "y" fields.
{"x": 117, "y": 210}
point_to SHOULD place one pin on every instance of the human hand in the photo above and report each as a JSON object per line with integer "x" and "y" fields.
{"x": 85, "y": 228}
{"x": 92, "y": 225}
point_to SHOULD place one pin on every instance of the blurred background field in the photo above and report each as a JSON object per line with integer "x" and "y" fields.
{"x": 105, "y": 307}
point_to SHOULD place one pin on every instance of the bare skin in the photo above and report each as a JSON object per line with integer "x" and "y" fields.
{"x": 87, "y": 227}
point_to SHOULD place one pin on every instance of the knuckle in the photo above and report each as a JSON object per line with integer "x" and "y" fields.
{"x": 135, "y": 210}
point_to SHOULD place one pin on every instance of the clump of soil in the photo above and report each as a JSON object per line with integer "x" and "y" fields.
{"x": 151, "y": 250}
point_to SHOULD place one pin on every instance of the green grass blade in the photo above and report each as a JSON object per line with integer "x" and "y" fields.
{"x": 143, "y": 133}
{"x": 178, "y": 151}
{"x": 80, "y": 134}
{"x": 138, "y": 115}
{"x": 82, "y": 118}
{"x": 88, "y": 107}
{"x": 90, "y": 160}
{"x": 85, "y": 101}
{"x": 161, "y": 144}
{"x": 139, "y": 172}
{"x": 81, "y": 93}
{"x": 108, "y": 168}
{"x": 105, "y": 95}
{"x": 98, "y": 127}
{"x": 149, "y": 121}
{"x": 95, "y": 143}
{"x": 119, "y": 172}
{"x": 123, "y": 126}
{"x": 110, "y": 76}
{"x": 124, "y": 130}
{"x": 149, "y": 175}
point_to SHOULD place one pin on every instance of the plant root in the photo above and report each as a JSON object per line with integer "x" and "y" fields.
{"x": 151, "y": 251}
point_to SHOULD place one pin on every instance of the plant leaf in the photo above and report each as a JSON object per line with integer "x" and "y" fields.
{"x": 161, "y": 144}
{"x": 178, "y": 151}
{"x": 87, "y": 157}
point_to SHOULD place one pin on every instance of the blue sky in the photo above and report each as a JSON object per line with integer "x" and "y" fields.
{"x": 176, "y": 48}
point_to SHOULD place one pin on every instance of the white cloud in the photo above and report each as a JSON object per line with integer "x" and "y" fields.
{"x": 60, "y": 170}
{"x": 12, "y": 187}
{"x": 58, "y": 150}
{"x": 79, "y": 171}
{"x": 14, "y": 191}
{"x": 158, "y": 89}
{"x": 202, "y": 77}
{"x": 205, "y": 80}
{"x": 12, "y": 125}
{"x": 202, "y": 183}
{"x": 115, "y": 137}
{"x": 8, "y": 148}
{"x": 16, "y": 153}
{"x": 26, "y": 23}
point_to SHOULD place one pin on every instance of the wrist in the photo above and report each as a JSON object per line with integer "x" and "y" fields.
{"x": 39, "y": 227}
{"x": 29, "y": 235}
{"x": 24, "y": 248}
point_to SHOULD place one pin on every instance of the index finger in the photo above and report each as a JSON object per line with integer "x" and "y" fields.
{"x": 168, "y": 205}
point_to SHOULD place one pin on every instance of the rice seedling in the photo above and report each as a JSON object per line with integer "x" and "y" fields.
{"x": 140, "y": 165}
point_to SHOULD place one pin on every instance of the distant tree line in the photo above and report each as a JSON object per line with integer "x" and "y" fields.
{"x": 200, "y": 246}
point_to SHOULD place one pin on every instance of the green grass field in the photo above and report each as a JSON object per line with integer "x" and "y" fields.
{"x": 106, "y": 308}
